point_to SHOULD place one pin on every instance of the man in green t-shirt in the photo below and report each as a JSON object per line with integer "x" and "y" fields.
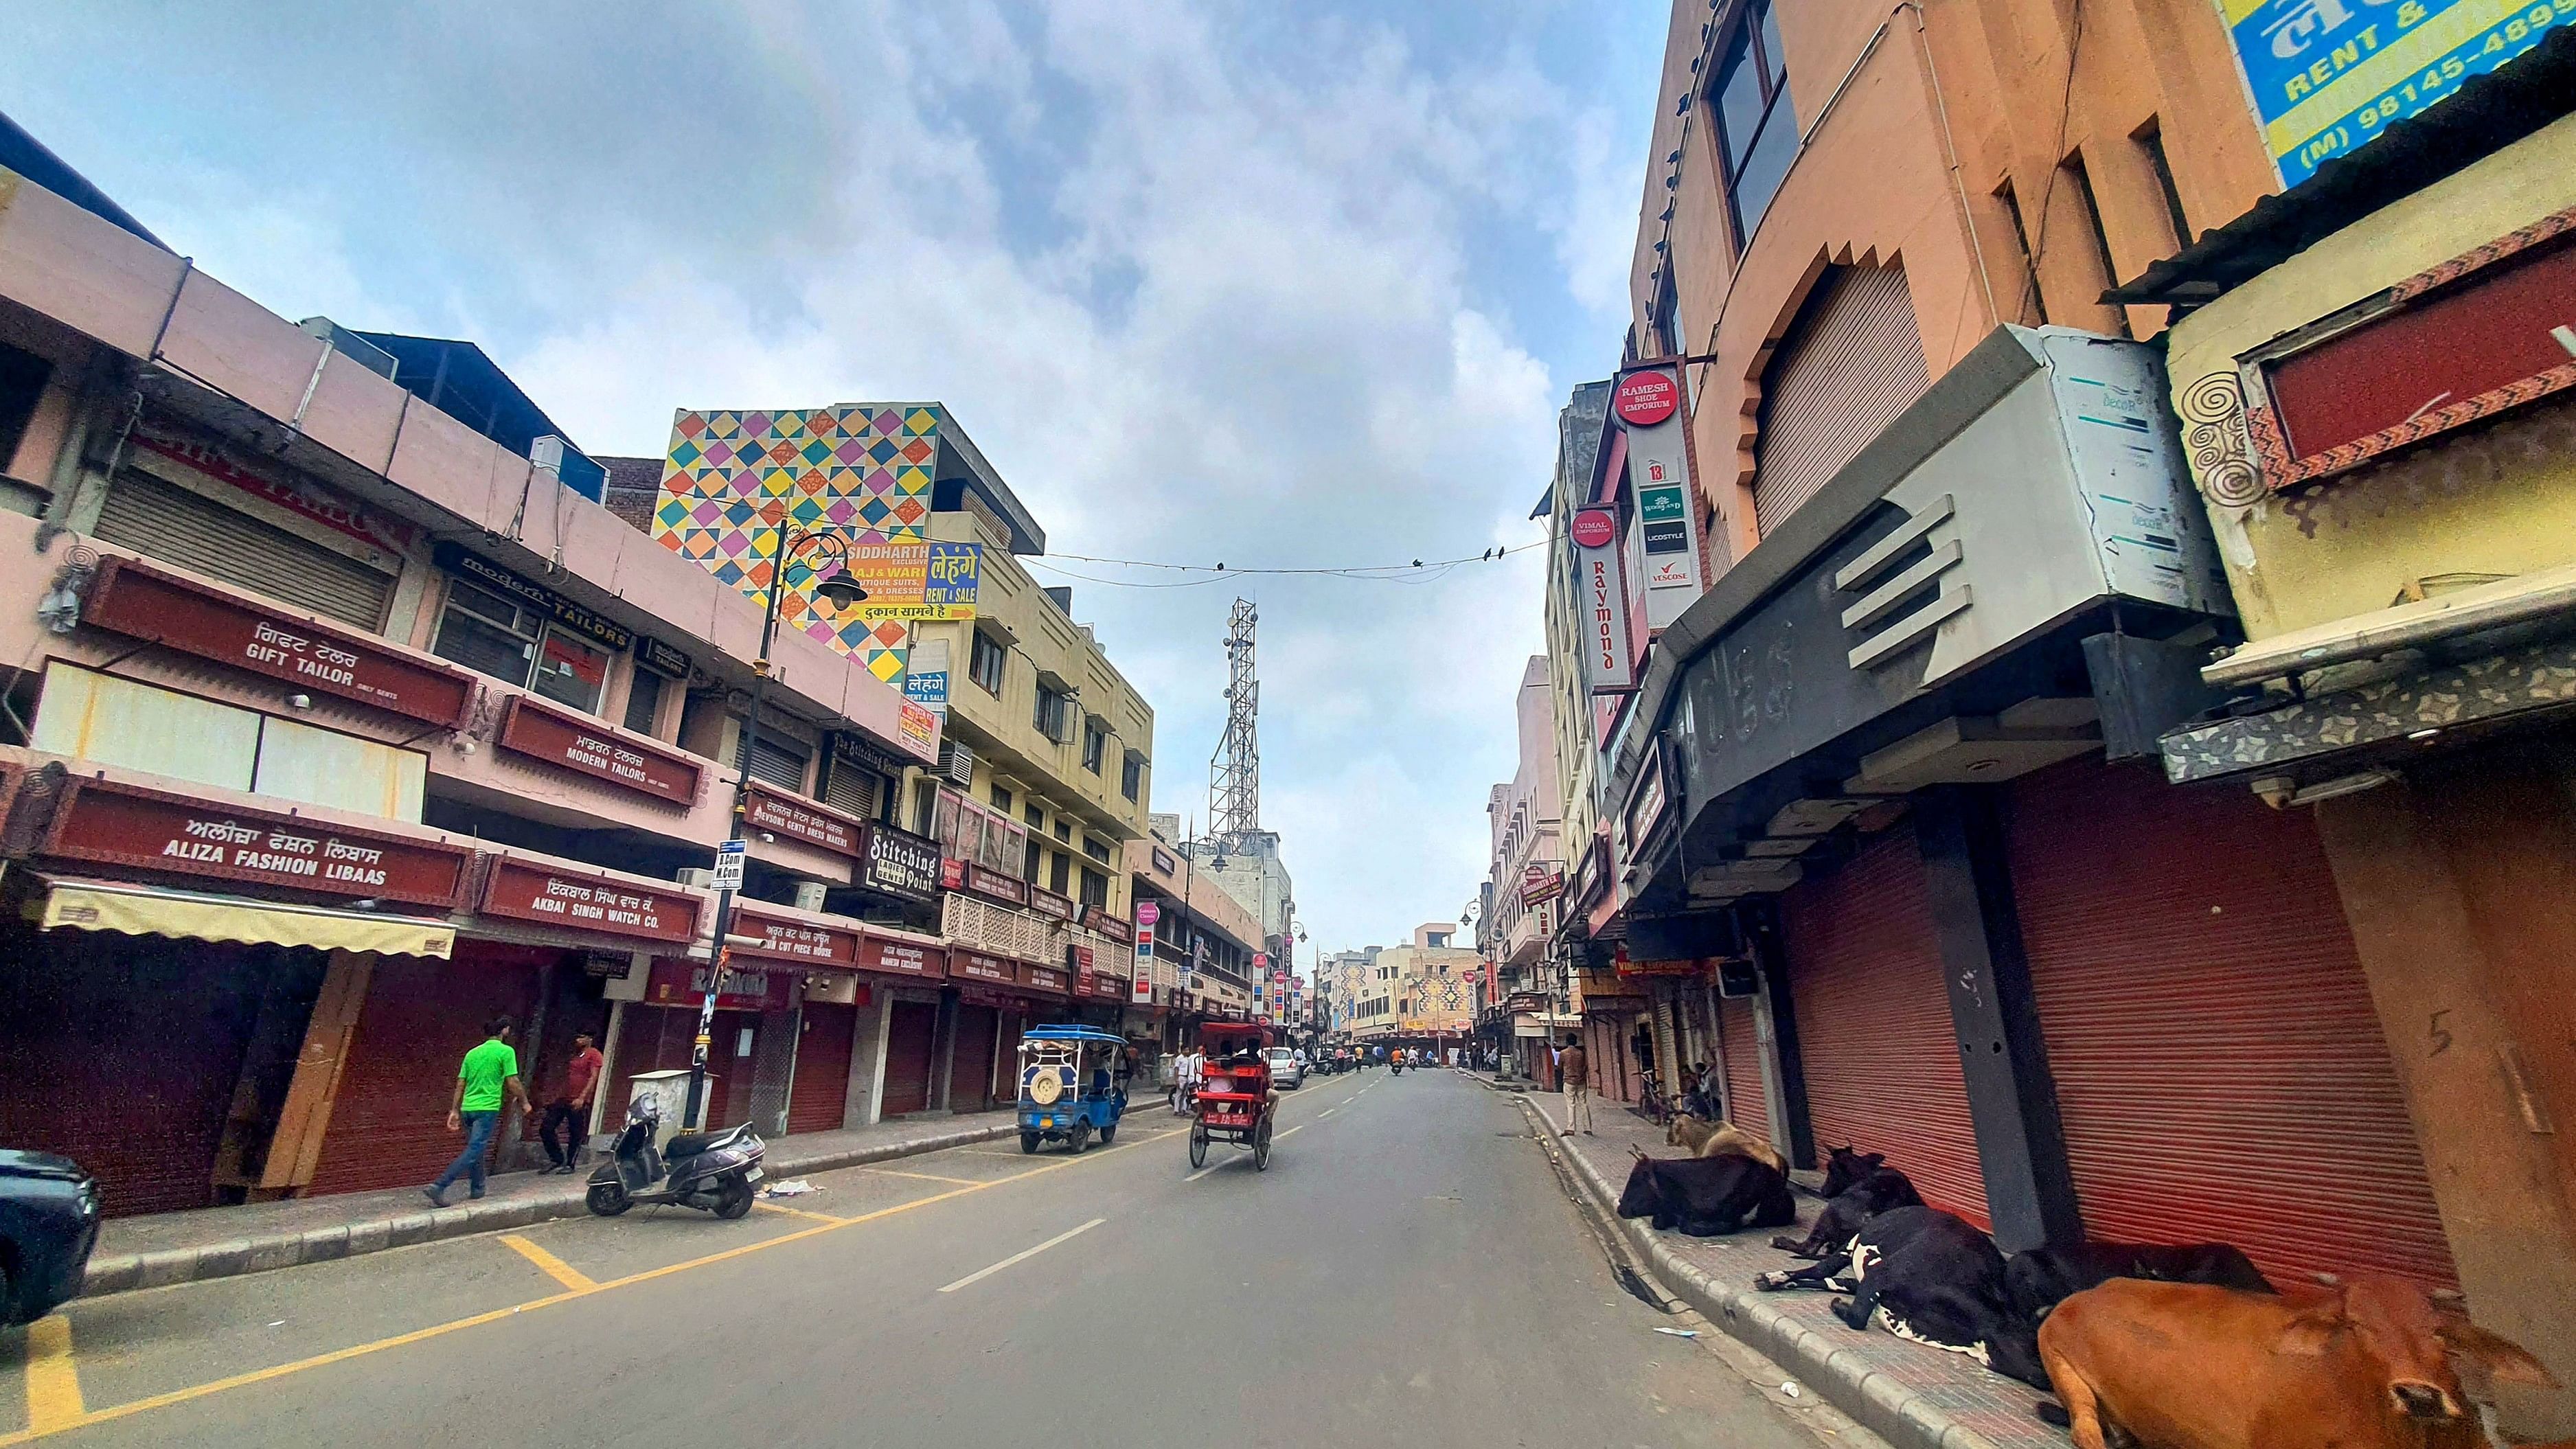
{"x": 489, "y": 1073}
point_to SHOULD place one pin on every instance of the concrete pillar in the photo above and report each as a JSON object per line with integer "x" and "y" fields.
{"x": 1775, "y": 1033}
{"x": 866, "y": 1103}
{"x": 943, "y": 1049}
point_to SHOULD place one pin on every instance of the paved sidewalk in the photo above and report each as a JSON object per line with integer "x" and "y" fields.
{"x": 183, "y": 1247}
{"x": 1913, "y": 1396}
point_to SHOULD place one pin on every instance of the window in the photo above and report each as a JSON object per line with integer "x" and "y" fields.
{"x": 1064, "y": 830}
{"x": 1095, "y": 889}
{"x": 1095, "y": 847}
{"x": 1666, "y": 317}
{"x": 1037, "y": 821}
{"x": 643, "y": 701}
{"x": 2083, "y": 179}
{"x": 1095, "y": 746}
{"x": 984, "y": 664}
{"x": 1001, "y": 797}
{"x": 1051, "y": 714}
{"x": 1056, "y": 876}
{"x": 22, "y": 383}
{"x": 2029, "y": 259}
{"x": 2151, "y": 139}
{"x": 491, "y": 635}
{"x": 1131, "y": 779}
{"x": 1757, "y": 128}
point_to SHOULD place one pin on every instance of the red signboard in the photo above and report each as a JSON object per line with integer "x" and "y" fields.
{"x": 586, "y": 747}
{"x": 1094, "y": 918}
{"x": 1646, "y": 398}
{"x": 819, "y": 825}
{"x": 977, "y": 966}
{"x": 127, "y": 825}
{"x": 580, "y": 901}
{"x": 993, "y": 883}
{"x": 1083, "y": 981}
{"x": 138, "y": 600}
{"x": 902, "y": 958}
{"x": 1048, "y": 903}
{"x": 1050, "y": 978}
{"x": 1595, "y": 527}
{"x": 675, "y": 982}
{"x": 755, "y": 932}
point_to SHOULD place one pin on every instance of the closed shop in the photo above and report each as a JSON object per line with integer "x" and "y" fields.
{"x": 161, "y": 520}
{"x": 1015, "y": 1024}
{"x": 1747, "y": 1105}
{"x": 664, "y": 1039}
{"x": 1851, "y": 362}
{"x": 1874, "y": 1034}
{"x": 821, "y": 1096}
{"x": 970, "y": 1078}
{"x": 2220, "y": 1072}
{"x": 911, "y": 1029}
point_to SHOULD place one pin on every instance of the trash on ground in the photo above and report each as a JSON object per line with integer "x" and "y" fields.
{"x": 793, "y": 1187}
{"x": 281, "y": 1323}
{"x": 1679, "y": 1332}
{"x": 1790, "y": 1389}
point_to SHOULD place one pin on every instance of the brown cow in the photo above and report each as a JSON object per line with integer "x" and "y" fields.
{"x": 1720, "y": 1139}
{"x": 2365, "y": 1365}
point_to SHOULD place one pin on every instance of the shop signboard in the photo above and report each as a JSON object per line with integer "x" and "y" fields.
{"x": 978, "y": 966}
{"x": 994, "y": 884}
{"x": 1609, "y": 662}
{"x": 1055, "y": 907}
{"x": 1077, "y": 960}
{"x": 815, "y": 824}
{"x": 1096, "y": 919}
{"x": 108, "y": 823}
{"x": 755, "y": 932}
{"x": 555, "y": 896}
{"x": 916, "y": 582}
{"x": 900, "y": 863}
{"x": 1648, "y": 405}
{"x": 901, "y": 958}
{"x": 1050, "y": 978}
{"x": 661, "y": 658}
{"x": 586, "y": 747}
{"x": 142, "y": 602}
{"x": 1140, "y": 992}
{"x": 580, "y": 619}
{"x": 674, "y": 982}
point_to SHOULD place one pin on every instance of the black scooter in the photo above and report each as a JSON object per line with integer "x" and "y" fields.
{"x": 718, "y": 1171}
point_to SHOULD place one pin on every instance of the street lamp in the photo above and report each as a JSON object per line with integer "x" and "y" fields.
{"x": 841, "y": 592}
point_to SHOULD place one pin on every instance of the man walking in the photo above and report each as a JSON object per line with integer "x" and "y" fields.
{"x": 1575, "y": 1066}
{"x": 488, "y": 1074}
{"x": 571, "y": 1106}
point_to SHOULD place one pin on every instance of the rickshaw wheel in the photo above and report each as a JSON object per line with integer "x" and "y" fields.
{"x": 1261, "y": 1148}
{"x": 1080, "y": 1137}
{"x": 1198, "y": 1144}
{"x": 1108, "y": 1134}
{"x": 1029, "y": 1142}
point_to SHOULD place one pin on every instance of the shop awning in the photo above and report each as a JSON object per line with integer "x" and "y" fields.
{"x": 138, "y": 910}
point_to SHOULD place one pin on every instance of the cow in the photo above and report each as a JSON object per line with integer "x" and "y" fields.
{"x": 2041, "y": 1278}
{"x": 1720, "y": 1139}
{"x": 2370, "y": 1364}
{"x": 1705, "y": 1197}
{"x": 1930, "y": 1276}
{"x": 1858, "y": 1186}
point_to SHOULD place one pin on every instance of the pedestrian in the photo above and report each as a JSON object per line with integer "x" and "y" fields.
{"x": 570, "y": 1107}
{"x": 488, "y": 1075}
{"x": 1575, "y": 1066}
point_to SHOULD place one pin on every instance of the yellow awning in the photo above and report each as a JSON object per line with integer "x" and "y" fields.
{"x": 150, "y": 911}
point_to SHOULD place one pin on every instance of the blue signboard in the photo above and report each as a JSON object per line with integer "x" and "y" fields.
{"x": 2327, "y": 76}
{"x": 928, "y": 688}
{"x": 953, "y": 571}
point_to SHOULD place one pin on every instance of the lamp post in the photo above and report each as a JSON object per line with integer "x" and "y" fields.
{"x": 841, "y": 591}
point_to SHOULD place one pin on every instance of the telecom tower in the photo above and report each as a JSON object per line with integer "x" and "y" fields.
{"x": 1234, "y": 776}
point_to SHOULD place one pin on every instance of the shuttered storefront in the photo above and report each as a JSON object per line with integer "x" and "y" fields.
{"x": 910, "y": 1029}
{"x": 389, "y": 1123}
{"x": 822, "y": 1092}
{"x": 1739, "y": 1042}
{"x": 970, "y": 1078}
{"x": 163, "y": 521}
{"x": 1006, "y": 1057}
{"x": 1874, "y": 1030}
{"x": 2219, "y": 1068}
{"x": 1850, "y": 364}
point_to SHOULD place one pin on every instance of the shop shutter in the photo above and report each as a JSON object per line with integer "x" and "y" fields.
{"x": 2220, "y": 1071}
{"x": 773, "y": 761}
{"x": 909, "y": 1030}
{"x": 169, "y": 523}
{"x": 665, "y": 1039}
{"x": 1874, "y": 1031}
{"x": 1006, "y": 1058}
{"x": 822, "y": 1095}
{"x": 1748, "y": 1105}
{"x": 854, "y": 789}
{"x": 970, "y": 1077}
{"x": 1850, "y": 364}
{"x": 389, "y": 1124}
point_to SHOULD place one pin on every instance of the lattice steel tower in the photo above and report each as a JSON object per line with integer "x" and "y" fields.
{"x": 1234, "y": 776}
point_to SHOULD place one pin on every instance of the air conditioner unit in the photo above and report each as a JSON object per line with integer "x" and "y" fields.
{"x": 697, "y": 877}
{"x": 957, "y": 762}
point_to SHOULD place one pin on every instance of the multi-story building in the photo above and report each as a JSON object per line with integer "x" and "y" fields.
{"x": 1201, "y": 967}
{"x": 1527, "y": 879}
{"x": 1421, "y": 993}
{"x": 1251, "y": 870}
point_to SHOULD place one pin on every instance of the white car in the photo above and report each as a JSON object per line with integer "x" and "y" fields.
{"x": 1286, "y": 1071}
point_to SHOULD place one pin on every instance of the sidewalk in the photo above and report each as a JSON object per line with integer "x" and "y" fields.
{"x": 184, "y": 1247}
{"x": 1909, "y": 1394}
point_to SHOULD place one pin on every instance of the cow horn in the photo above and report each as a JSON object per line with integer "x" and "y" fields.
{"x": 2449, "y": 1297}
{"x": 2330, "y": 1280}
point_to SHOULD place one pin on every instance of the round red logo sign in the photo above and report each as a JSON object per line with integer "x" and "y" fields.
{"x": 1595, "y": 527}
{"x": 1647, "y": 398}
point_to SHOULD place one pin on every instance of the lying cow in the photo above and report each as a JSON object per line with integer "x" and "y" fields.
{"x": 2041, "y": 1278}
{"x": 2368, "y": 1365}
{"x": 1705, "y": 1197}
{"x": 1703, "y": 1138}
{"x": 1930, "y": 1276}
{"x": 1858, "y": 1186}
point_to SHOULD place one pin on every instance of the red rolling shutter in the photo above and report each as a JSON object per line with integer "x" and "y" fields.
{"x": 1747, "y": 1105}
{"x": 910, "y": 1026}
{"x": 1006, "y": 1058}
{"x": 822, "y": 1091}
{"x": 1874, "y": 1030}
{"x": 389, "y": 1122}
{"x": 970, "y": 1075}
{"x": 2220, "y": 1071}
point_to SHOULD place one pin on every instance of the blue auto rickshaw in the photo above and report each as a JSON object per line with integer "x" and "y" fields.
{"x": 1069, "y": 1088}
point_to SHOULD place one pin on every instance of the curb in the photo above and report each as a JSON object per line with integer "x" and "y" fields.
{"x": 265, "y": 1252}
{"x": 1901, "y": 1415}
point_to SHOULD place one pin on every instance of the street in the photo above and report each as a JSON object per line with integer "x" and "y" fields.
{"x": 1408, "y": 1269}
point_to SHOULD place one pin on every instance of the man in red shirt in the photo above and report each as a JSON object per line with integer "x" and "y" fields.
{"x": 570, "y": 1106}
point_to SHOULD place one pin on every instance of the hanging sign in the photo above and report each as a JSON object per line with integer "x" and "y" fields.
{"x": 581, "y": 620}
{"x": 1659, "y": 476}
{"x": 1609, "y": 664}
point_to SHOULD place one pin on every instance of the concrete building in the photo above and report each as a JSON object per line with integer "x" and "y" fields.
{"x": 1419, "y": 993}
{"x": 1526, "y": 880}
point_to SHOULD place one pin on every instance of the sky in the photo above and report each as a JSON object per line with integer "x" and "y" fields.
{"x": 1267, "y": 285}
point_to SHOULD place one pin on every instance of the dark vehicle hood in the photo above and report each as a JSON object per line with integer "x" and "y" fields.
{"x": 17, "y": 1166}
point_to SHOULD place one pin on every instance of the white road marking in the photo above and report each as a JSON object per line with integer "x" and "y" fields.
{"x": 1293, "y": 1131}
{"x": 1328, "y": 1111}
{"x": 1202, "y": 1172}
{"x": 1022, "y": 1256}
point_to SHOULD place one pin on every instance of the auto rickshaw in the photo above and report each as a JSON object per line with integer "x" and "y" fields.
{"x": 1235, "y": 1103}
{"x": 1068, "y": 1086}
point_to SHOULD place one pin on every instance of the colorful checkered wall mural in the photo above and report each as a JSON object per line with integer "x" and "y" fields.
{"x": 860, "y": 469}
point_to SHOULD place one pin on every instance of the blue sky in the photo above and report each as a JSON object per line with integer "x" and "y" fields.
{"x": 1266, "y": 284}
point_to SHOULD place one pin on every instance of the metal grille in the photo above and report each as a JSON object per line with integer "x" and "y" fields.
{"x": 1882, "y": 1060}
{"x": 1747, "y": 1105}
{"x": 172, "y": 524}
{"x": 825, "y": 1034}
{"x": 1848, "y": 367}
{"x": 854, "y": 788}
{"x": 2207, "y": 1021}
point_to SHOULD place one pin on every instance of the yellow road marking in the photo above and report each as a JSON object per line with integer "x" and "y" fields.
{"x": 556, "y": 1268}
{"x": 74, "y": 1416}
{"x": 53, "y": 1379}
{"x": 798, "y": 1212}
{"x": 928, "y": 1176}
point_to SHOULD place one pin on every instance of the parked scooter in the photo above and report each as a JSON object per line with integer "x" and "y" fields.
{"x": 718, "y": 1171}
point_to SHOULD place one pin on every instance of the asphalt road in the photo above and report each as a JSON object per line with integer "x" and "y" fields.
{"x": 1408, "y": 1271}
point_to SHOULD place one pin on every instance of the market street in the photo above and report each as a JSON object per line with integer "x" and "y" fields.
{"x": 1408, "y": 1265}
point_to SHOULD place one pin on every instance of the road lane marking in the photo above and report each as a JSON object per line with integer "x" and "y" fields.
{"x": 556, "y": 1268}
{"x": 1293, "y": 1131}
{"x": 928, "y": 1176}
{"x": 1328, "y": 1111}
{"x": 980, "y": 1274}
{"x": 798, "y": 1212}
{"x": 1202, "y": 1172}
{"x": 53, "y": 1379}
{"x": 173, "y": 1397}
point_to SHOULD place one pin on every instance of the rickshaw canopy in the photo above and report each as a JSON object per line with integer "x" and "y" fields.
{"x": 1073, "y": 1033}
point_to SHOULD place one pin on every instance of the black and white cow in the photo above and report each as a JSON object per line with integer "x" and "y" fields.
{"x": 1858, "y": 1186}
{"x": 2041, "y": 1278}
{"x": 1707, "y": 1196}
{"x": 1930, "y": 1276}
